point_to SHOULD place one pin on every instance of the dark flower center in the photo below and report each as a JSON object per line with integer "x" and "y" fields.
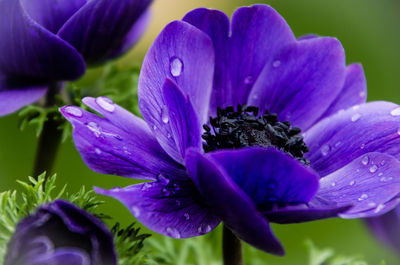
{"x": 244, "y": 127}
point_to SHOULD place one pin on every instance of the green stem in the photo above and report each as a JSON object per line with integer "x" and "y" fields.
{"x": 231, "y": 248}
{"x": 50, "y": 138}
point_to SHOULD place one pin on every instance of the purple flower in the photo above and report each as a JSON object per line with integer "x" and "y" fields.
{"x": 60, "y": 233}
{"x": 387, "y": 228}
{"x": 46, "y": 41}
{"x": 256, "y": 167}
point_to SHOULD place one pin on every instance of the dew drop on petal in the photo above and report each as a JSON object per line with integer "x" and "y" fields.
{"x": 154, "y": 127}
{"x": 166, "y": 192}
{"x": 365, "y": 160}
{"x": 363, "y": 197}
{"x": 187, "y": 216}
{"x": 249, "y": 80}
{"x": 333, "y": 184}
{"x": 94, "y": 127}
{"x": 352, "y": 183}
{"x": 176, "y": 66}
{"x": 362, "y": 94}
{"x": 106, "y": 103}
{"x": 176, "y": 187}
{"x": 146, "y": 186}
{"x": 169, "y": 136}
{"x": 372, "y": 204}
{"x": 325, "y": 149}
{"x": 355, "y": 117}
{"x": 135, "y": 211}
{"x": 362, "y": 146}
{"x": 163, "y": 179}
{"x": 379, "y": 208}
{"x": 373, "y": 168}
{"x": 385, "y": 179}
{"x": 398, "y": 131}
{"x": 74, "y": 111}
{"x": 204, "y": 229}
{"x": 97, "y": 151}
{"x": 339, "y": 143}
{"x": 164, "y": 114}
{"x": 395, "y": 112}
{"x": 383, "y": 162}
{"x": 173, "y": 232}
{"x": 276, "y": 64}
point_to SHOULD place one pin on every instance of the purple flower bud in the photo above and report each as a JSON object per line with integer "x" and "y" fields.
{"x": 60, "y": 233}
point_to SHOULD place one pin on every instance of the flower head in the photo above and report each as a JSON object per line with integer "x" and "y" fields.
{"x": 44, "y": 41}
{"x": 61, "y": 233}
{"x": 224, "y": 105}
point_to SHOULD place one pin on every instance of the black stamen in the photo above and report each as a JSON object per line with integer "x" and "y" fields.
{"x": 244, "y": 127}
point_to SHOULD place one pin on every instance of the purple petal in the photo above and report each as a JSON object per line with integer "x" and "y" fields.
{"x": 339, "y": 139}
{"x": 51, "y": 14}
{"x": 354, "y": 91}
{"x": 119, "y": 144}
{"x": 62, "y": 257}
{"x": 302, "y": 213}
{"x": 301, "y": 81}
{"x": 258, "y": 33}
{"x": 182, "y": 120}
{"x": 100, "y": 28}
{"x": 14, "y": 99}
{"x": 368, "y": 183}
{"x": 169, "y": 207}
{"x": 32, "y": 51}
{"x": 185, "y": 55}
{"x": 387, "y": 228}
{"x": 232, "y": 205}
{"x": 269, "y": 176}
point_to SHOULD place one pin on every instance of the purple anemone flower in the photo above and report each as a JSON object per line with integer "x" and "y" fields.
{"x": 47, "y": 41}
{"x": 213, "y": 148}
{"x": 387, "y": 228}
{"x": 60, "y": 233}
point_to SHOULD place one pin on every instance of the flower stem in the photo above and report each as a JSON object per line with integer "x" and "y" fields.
{"x": 50, "y": 138}
{"x": 231, "y": 248}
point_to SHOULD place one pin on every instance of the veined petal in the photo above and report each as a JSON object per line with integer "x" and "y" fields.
{"x": 369, "y": 183}
{"x": 99, "y": 29}
{"x": 240, "y": 214}
{"x": 29, "y": 51}
{"x": 301, "y": 81}
{"x": 268, "y": 176}
{"x": 339, "y": 139}
{"x": 167, "y": 207}
{"x": 118, "y": 144}
{"x": 185, "y": 55}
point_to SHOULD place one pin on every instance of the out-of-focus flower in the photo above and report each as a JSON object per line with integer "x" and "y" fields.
{"x": 245, "y": 166}
{"x": 48, "y": 41}
{"x": 387, "y": 228}
{"x": 60, "y": 233}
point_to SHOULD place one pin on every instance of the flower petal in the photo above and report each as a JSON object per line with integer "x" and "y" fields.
{"x": 368, "y": 183}
{"x": 13, "y": 99}
{"x": 185, "y": 55}
{"x": 354, "y": 91}
{"x": 182, "y": 119}
{"x": 167, "y": 207}
{"x": 51, "y": 14}
{"x": 27, "y": 50}
{"x": 118, "y": 144}
{"x": 387, "y": 228}
{"x": 301, "y": 81}
{"x": 258, "y": 33}
{"x": 100, "y": 28}
{"x": 302, "y": 213}
{"x": 62, "y": 257}
{"x": 269, "y": 176}
{"x": 339, "y": 139}
{"x": 230, "y": 203}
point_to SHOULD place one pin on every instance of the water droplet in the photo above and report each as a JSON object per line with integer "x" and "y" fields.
{"x": 94, "y": 128}
{"x": 385, "y": 179}
{"x": 97, "y": 151}
{"x": 255, "y": 96}
{"x": 352, "y": 182}
{"x": 365, "y": 160}
{"x": 380, "y": 174}
{"x": 362, "y": 94}
{"x": 383, "y": 162}
{"x": 372, "y": 204}
{"x": 146, "y": 186}
{"x": 325, "y": 149}
{"x": 74, "y": 111}
{"x": 373, "y": 168}
{"x": 338, "y": 144}
{"x": 355, "y": 117}
{"x": 176, "y": 66}
{"x": 164, "y": 115}
{"x": 395, "y": 112}
{"x": 106, "y": 103}
{"x": 363, "y": 197}
{"x": 187, "y": 216}
{"x": 154, "y": 127}
{"x": 333, "y": 184}
{"x": 173, "y": 232}
{"x": 169, "y": 136}
{"x": 249, "y": 80}
{"x": 176, "y": 187}
{"x": 204, "y": 229}
{"x": 166, "y": 192}
{"x": 276, "y": 64}
{"x": 379, "y": 208}
{"x": 362, "y": 146}
{"x": 135, "y": 211}
{"x": 163, "y": 179}
{"x": 398, "y": 131}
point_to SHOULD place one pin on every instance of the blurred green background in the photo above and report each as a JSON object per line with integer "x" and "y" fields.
{"x": 369, "y": 32}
